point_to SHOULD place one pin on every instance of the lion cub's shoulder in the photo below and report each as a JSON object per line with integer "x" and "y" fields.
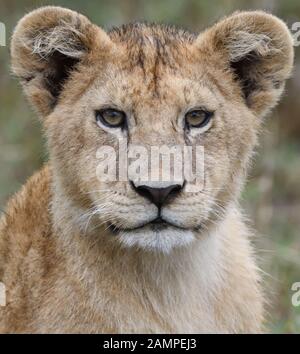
{"x": 26, "y": 222}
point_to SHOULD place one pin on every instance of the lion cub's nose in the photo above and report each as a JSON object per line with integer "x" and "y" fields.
{"x": 158, "y": 196}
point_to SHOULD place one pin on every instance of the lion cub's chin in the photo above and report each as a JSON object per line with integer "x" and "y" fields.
{"x": 160, "y": 240}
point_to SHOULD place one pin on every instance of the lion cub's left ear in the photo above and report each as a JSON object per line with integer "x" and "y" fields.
{"x": 46, "y": 47}
{"x": 258, "y": 50}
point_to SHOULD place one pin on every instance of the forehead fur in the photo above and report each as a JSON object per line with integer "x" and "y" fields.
{"x": 145, "y": 42}
{"x": 139, "y": 31}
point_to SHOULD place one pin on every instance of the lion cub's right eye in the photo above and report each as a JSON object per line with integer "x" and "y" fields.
{"x": 111, "y": 118}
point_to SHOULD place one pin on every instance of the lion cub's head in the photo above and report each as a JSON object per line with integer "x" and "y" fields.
{"x": 116, "y": 98}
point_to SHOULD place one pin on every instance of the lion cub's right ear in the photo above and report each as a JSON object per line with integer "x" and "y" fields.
{"x": 47, "y": 44}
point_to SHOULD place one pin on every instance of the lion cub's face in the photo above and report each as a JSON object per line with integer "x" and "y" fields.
{"x": 142, "y": 97}
{"x": 110, "y": 100}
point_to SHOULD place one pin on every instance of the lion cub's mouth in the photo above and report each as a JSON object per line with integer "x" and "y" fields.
{"x": 157, "y": 224}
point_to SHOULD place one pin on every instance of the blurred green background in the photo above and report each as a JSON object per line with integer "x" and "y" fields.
{"x": 272, "y": 195}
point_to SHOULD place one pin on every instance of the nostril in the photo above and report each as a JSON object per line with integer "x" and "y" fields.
{"x": 145, "y": 192}
{"x": 157, "y": 196}
{"x": 175, "y": 189}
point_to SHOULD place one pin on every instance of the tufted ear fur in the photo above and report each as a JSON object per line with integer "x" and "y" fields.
{"x": 46, "y": 46}
{"x": 258, "y": 50}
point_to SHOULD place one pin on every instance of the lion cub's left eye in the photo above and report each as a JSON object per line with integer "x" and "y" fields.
{"x": 111, "y": 117}
{"x": 197, "y": 118}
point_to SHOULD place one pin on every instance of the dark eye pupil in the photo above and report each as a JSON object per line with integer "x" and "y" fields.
{"x": 112, "y": 114}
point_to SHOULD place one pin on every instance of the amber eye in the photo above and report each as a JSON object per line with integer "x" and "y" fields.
{"x": 111, "y": 117}
{"x": 197, "y": 118}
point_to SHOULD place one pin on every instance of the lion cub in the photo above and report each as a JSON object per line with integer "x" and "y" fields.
{"x": 83, "y": 253}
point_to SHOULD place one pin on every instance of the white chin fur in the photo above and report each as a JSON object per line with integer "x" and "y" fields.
{"x": 163, "y": 240}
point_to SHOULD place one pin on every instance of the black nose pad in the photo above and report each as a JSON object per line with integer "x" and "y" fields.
{"x": 158, "y": 196}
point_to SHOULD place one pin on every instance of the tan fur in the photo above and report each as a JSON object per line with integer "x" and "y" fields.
{"x": 63, "y": 268}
